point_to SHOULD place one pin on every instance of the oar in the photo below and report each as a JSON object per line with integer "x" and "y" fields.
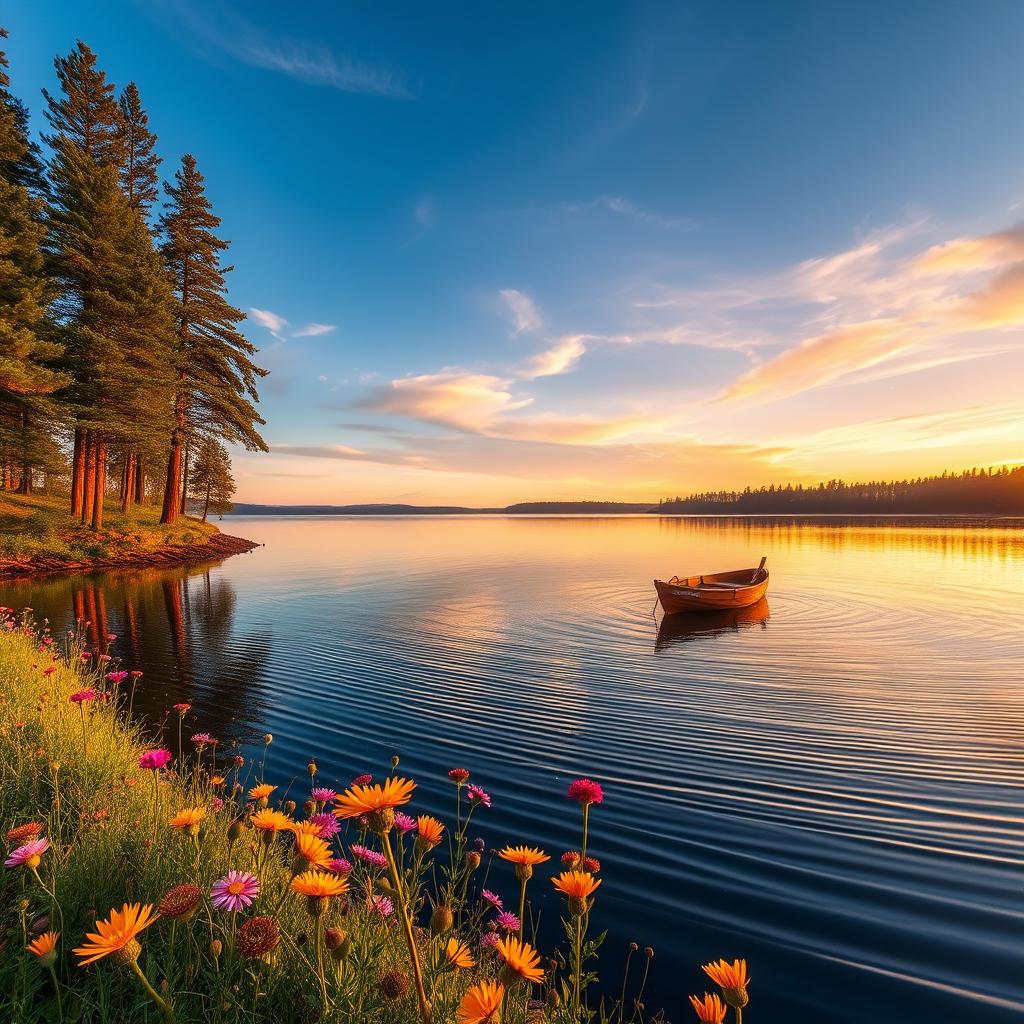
{"x": 757, "y": 571}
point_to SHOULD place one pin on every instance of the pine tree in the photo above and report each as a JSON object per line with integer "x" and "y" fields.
{"x": 211, "y": 481}
{"x": 28, "y": 351}
{"x": 139, "y": 161}
{"x": 216, "y": 386}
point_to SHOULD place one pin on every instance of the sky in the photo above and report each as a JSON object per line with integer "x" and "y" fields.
{"x": 495, "y": 253}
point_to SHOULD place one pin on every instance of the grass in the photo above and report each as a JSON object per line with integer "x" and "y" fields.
{"x": 74, "y": 769}
{"x": 40, "y": 526}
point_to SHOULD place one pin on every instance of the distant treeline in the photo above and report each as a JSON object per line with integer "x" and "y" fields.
{"x": 523, "y": 508}
{"x": 972, "y": 492}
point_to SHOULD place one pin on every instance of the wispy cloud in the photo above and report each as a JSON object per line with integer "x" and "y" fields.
{"x": 560, "y": 358}
{"x": 314, "y": 330}
{"x": 627, "y": 208}
{"x": 271, "y": 321}
{"x": 521, "y": 310}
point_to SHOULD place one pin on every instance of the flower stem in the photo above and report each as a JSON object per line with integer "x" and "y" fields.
{"x": 165, "y": 1006}
{"x": 56, "y": 989}
{"x": 522, "y": 907}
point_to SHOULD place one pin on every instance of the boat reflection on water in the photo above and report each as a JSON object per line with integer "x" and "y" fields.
{"x": 689, "y": 626}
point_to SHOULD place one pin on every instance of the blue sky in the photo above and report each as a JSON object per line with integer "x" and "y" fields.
{"x": 597, "y": 250}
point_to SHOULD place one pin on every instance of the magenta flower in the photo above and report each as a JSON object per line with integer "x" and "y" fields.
{"x": 28, "y": 854}
{"x": 367, "y": 856}
{"x": 104, "y": 657}
{"x": 476, "y": 795}
{"x": 322, "y": 795}
{"x": 492, "y": 897}
{"x": 362, "y": 780}
{"x": 339, "y": 866}
{"x": 404, "y": 822}
{"x": 111, "y": 637}
{"x": 218, "y": 804}
{"x": 383, "y": 905}
{"x": 82, "y": 696}
{"x": 201, "y": 739}
{"x": 327, "y": 825}
{"x": 585, "y": 791}
{"x": 117, "y": 677}
{"x": 507, "y": 921}
{"x": 488, "y": 940}
{"x": 235, "y": 891}
{"x": 155, "y": 759}
{"x": 86, "y": 655}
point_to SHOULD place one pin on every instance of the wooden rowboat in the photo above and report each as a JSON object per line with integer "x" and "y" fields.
{"x": 717, "y": 592}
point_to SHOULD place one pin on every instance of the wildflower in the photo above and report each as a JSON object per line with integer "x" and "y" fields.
{"x": 322, "y": 795}
{"x": 731, "y": 979}
{"x": 188, "y": 820}
{"x": 459, "y": 776}
{"x": 268, "y": 738}
{"x": 571, "y": 858}
{"x": 578, "y": 886}
{"x": 45, "y": 947}
{"x": 261, "y": 793}
{"x": 428, "y": 832}
{"x": 508, "y": 922}
{"x": 217, "y": 780}
{"x": 235, "y": 891}
{"x": 476, "y": 796}
{"x": 20, "y": 833}
{"x": 339, "y": 865}
{"x": 367, "y": 856}
{"x": 337, "y": 942}
{"x": 306, "y": 828}
{"x": 591, "y": 865}
{"x": 472, "y": 859}
{"x": 456, "y": 954}
{"x": 479, "y": 845}
{"x": 270, "y": 822}
{"x": 441, "y": 919}
{"x": 117, "y": 935}
{"x": 28, "y": 855}
{"x": 318, "y": 887}
{"x": 585, "y": 792}
{"x": 312, "y": 850}
{"x": 135, "y": 673}
{"x": 326, "y": 825}
{"x": 202, "y": 739}
{"x": 394, "y": 985}
{"x": 49, "y": 670}
{"x": 81, "y": 696}
{"x": 155, "y": 759}
{"x": 488, "y": 940}
{"x": 521, "y": 960}
{"x": 257, "y": 937}
{"x": 481, "y": 1003}
{"x": 378, "y": 802}
{"x": 117, "y": 677}
{"x": 362, "y": 780}
{"x": 709, "y": 1010}
{"x": 383, "y": 905}
{"x": 492, "y": 897}
{"x": 404, "y": 822}
{"x": 525, "y": 858}
{"x": 180, "y": 902}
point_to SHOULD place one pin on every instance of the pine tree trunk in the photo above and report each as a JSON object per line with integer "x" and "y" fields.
{"x": 206, "y": 507}
{"x": 78, "y": 472}
{"x": 101, "y": 485}
{"x": 128, "y": 483}
{"x": 184, "y": 482}
{"x": 171, "y": 499}
{"x": 140, "y": 479}
{"x": 88, "y": 478}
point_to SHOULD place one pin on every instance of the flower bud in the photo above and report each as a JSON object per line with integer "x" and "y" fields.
{"x": 472, "y": 860}
{"x": 216, "y": 948}
{"x": 553, "y": 999}
{"x": 268, "y": 738}
{"x": 288, "y": 807}
{"x": 235, "y": 830}
{"x": 441, "y": 919}
{"x": 309, "y": 807}
{"x": 311, "y": 768}
{"x": 394, "y": 985}
{"x": 394, "y": 761}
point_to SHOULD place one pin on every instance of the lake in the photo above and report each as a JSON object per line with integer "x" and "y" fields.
{"x": 829, "y": 785}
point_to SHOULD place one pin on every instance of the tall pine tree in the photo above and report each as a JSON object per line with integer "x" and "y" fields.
{"x": 139, "y": 162}
{"x": 216, "y": 376}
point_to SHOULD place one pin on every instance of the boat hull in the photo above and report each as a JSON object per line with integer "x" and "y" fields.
{"x": 719, "y": 592}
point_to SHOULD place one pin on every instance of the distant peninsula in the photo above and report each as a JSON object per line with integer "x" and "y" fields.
{"x": 553, "y": 508}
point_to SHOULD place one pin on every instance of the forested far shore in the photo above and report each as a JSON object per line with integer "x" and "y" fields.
{"x": 122, "y": 368}
{"x": 986, "y": 492}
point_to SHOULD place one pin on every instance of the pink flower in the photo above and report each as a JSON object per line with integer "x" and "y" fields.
{"x": 117, "y": 677}
{"x": 327, "y": 824}
{"x": 218, "y": 804}
{"x": 585, "y": 791}
{"x": 182, "y": 709}
{"x": 155, "y": 759}
{"x": 135, "y": 672}
{"x": 235, "y": 891}
{"x": 476, "y": 795}
{"x": 201, "y": 739}
{"x": 488, "y": 940}
{"x": 104, "y": 657}
{"x": 507, "y": 921}
{"x": 28, "y": 854}
{"x": 86, "y": 655}
{"x": 404, "y": 822}
{"x": 322, "y": 795}
{"x": 459, "y": 775}
{"x": 383, "y": 905}
{"x": 362, "y": 780}
{"x": 371, "y": 857}
{"x": 339, "y": 866}
{"x": 82, "y": 696}
{"x": 493, "y": 898}
{"x": 111, "y": 637}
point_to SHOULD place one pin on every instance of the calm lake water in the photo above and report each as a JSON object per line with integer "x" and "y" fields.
{"x": 830, "y": 786}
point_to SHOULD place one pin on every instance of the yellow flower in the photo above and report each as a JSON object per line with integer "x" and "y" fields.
{"x": 319, "y": 884}
{"x": 45, "y": 947}
{"x": 117, "y": 934}
{"x": 709, "y": 1010}
{"x": 732, "y": 979}
{"x": 188, "y": 819}
{"x": 456, "y": 952}
{"x": 313, "y": 849}
{"x": 216, "y": 780}
{"x": 481, "y": 1003}
{"x": 527, "y": 855}
{"x": 271, "y": 821}
{"x": 306, "y": 828}
{"x": 359, "y": 800}
{"x": 576, "y": 884}
{"x": 429, "y": 830}
{"x": 520, "y": 958}
{"x": 261, "y": 792}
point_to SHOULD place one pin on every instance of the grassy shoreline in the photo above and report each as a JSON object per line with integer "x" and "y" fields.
{"x": 377, "y": 950}
{"x": 38, "y": 535}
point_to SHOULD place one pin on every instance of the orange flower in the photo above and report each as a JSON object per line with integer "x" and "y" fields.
{"x": 319, "y": 884}
{"x": 709, "y": 1010}
{"x": 45, "y": 947}
{"x": 359, "y": 800}
{"x": 520, "y": 958}
{"x": 576, "y": 884}
{"x": 117, "y": 935}
{"x": 429, "y": 830}
{"x": 188, "y": 819}
{"x": 481, "y": 1003}
{"x": 261, "y": 793}
{"x": 271, "y": 821}
{"x": 456, "y": 953}
{"x": 529, "y": 856}
{"x": 216, "y": 780}
{"x": 306, "y": 828}
{"x": 313, "y": 849}
{"x": 732, "y": 979}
